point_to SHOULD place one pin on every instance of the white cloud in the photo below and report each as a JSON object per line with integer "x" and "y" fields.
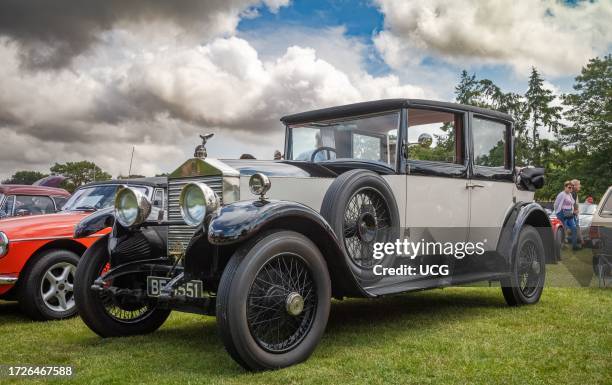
{"x": 556, "y": 38}
{"x": 159, "y": 93}
{"x": 52, "y": 34}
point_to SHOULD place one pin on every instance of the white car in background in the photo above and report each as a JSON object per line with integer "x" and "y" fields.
{"x": 585, "y": 217}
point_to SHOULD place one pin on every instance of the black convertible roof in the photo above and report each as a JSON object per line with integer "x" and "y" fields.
{"x": 385, "y": 105}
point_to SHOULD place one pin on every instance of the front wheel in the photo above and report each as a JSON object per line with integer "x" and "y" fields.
{"x": 46, "y": 287}
{"x": 273, "y": 301}
{"x": 526, "y": 281}
{"x": 111, "y": 315}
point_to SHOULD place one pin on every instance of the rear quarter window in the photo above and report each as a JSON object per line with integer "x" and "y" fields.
{"x": 606, "y": 206}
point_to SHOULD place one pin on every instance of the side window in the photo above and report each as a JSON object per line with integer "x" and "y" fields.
{"x": 490, "y": 143}
{"x": 33, "y": 205}
{"x": 7, "y": 207}
{"x": 606, "y": 207}
{"x": 59, "y": 202}
{"x": 435, "y": 136}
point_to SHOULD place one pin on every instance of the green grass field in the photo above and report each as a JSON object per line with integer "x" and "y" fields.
{"x": 464, "y": 335}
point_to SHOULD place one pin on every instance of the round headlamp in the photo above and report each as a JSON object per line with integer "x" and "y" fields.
{"x": 196, "y": 200}
{"x": 131, "y": 206}
{"x": 4, "y": 244}
{"x": 259, "y": 184}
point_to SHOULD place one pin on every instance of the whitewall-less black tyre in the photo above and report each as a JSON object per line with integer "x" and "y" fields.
{"x": 106, "y": 316}
{"x": 46, "y": 288}
{"x": 526, "y": 281}
{"x": 273, "y": 301}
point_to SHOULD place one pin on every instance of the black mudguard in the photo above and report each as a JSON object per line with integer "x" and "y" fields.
{"x": 525, "y": 213}
{"x": 95, "y": 222}
{"x": 237, "y": 222}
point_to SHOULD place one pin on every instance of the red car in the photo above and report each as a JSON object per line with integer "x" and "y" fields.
{"x": 38, "y": 254}
{"x": 559, "y": 232}
{"x": 22, "y": 200}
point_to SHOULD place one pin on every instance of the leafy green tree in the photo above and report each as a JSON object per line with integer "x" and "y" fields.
{"x": 24, "y": 177}
{"x": 79, "y": 173}
{"x": 468, "y": 91}
{"x": 486, "y": 94}
{"x": 539, "y": 112}
{"x": 589, "y": 109}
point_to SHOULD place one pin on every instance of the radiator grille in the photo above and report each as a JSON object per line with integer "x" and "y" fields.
{"x": 179, "y": 236}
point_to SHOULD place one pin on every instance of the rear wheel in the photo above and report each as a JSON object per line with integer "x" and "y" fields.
{"x": 113, "y": 315}
{"x": 46, "y": 288}
{"x": 273, "y": 301}
{"x": 526, "y": 281}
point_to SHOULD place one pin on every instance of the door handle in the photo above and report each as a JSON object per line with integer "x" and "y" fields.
{"x": 473, "y": 185}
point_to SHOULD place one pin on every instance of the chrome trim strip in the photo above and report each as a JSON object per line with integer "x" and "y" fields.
{"x": 6, "y": 280}
{"x": 54, "y": 238}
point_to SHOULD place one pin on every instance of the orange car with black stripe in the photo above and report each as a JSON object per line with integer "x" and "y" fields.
{"x": 39, "y": 254}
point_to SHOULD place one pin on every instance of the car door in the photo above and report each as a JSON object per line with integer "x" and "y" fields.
{"x": 491, "y": 188}
{"x": 436, "y": 197}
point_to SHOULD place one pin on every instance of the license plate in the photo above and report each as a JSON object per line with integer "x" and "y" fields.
{"x": 191, "y": 289}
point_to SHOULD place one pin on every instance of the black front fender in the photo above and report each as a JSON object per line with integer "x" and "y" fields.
{"x": 237, "y": 222}
{"x": 95, "y": 222}
{"x": 526, "y": 213}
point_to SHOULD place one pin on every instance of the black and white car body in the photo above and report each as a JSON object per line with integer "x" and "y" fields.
{"x": 265, "y": 245}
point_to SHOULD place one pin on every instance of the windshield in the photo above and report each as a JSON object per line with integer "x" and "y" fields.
{"x": 95, "y": 197}
{"x": 371, "y": 138}
{"x": 587, "y": 208}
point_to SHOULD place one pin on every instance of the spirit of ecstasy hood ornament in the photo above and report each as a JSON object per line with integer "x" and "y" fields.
{"x": 200, "y": 151}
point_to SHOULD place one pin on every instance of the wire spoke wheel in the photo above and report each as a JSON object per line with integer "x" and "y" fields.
{"x": 367, "y": 220}
{"x": 281, "y": 304}
{"x": 529, "y": 270}
{"x": 119, "y": 310}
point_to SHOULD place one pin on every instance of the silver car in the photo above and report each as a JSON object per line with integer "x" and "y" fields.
{"x": 585, "y": 217}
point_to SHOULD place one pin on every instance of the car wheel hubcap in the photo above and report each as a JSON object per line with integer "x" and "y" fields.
{"x": 295, "y": 304}
{"x": 56, "y": 287}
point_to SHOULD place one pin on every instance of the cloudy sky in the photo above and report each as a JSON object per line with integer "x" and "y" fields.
{"x": 89, "y": 79}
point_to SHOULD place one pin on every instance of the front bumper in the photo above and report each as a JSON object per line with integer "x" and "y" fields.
{"x": 7, "y": 280}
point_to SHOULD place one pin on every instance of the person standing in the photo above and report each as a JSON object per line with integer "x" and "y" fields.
{"x": 575, "y": 190}
{"x": 564, "y": 210}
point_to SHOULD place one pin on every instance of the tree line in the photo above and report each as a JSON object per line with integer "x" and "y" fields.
{"x": 579, "y": 145}
{"x": 579, "y": 124}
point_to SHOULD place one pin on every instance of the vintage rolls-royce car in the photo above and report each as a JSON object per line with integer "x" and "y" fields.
{"x": 266, "y": 245}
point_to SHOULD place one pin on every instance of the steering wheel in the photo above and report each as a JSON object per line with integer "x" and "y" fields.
{"x": 318, "y": 150}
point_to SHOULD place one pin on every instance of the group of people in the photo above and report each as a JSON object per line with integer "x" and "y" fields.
{"x": 566, "y": 209}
